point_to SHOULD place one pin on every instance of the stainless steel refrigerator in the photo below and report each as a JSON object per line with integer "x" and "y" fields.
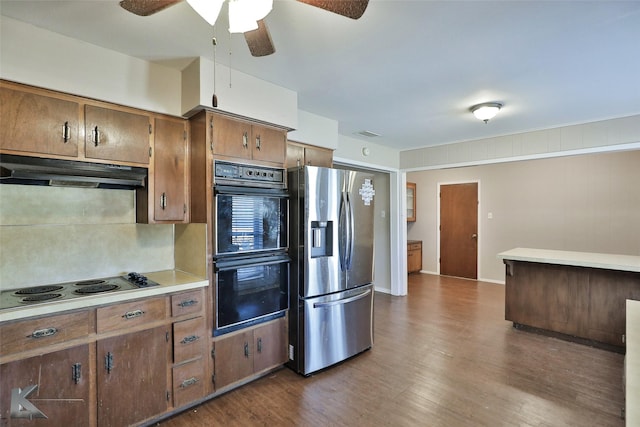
{"x": 331, "y": 247}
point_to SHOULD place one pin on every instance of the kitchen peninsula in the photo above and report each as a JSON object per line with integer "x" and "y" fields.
{"x": 577, "y": 294}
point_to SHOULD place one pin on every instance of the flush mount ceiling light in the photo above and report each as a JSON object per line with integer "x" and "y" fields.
{"x": 486, "y": 110}
{"x": 243, "y": 14}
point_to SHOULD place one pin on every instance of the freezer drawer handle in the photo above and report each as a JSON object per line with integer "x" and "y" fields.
{"x": 342, "y": 301}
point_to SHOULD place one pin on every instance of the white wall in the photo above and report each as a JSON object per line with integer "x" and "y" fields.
{"x": 238, "y": 93}
{"x": 607, "y": 135}
{"x": 31, "y": 55}
{"x": 588, "y": 203}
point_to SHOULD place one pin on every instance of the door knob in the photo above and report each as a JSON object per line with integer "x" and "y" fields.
{"x": 474, "y": 236}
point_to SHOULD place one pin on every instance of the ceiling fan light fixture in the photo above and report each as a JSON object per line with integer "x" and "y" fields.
{"x": 486, "y": 111}
{"x": 207, "y": 9}
{"x": 242, "y": 16}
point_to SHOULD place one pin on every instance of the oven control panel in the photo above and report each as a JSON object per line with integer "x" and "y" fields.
{"x": 247, "y": 174}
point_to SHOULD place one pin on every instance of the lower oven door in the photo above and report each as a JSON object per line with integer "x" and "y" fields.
{"x": 250, "y": 291}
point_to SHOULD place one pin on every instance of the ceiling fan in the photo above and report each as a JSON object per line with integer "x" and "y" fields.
{"x": 258, "y": 39}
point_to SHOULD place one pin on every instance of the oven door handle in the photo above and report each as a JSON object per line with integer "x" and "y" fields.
{"x": 250, "y": 191}
{"x": 260, "y": 262}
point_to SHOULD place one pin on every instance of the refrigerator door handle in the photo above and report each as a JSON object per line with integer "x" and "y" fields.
{"x": 342, "y": 301}
{"x": 350, "y": 233}
{"x": 343, "y": 232}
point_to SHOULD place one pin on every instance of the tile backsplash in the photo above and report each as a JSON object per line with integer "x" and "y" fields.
{"x": 52, "y": 235}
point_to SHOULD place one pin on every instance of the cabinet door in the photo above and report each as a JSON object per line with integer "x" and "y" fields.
{"x": 62, "y": 381}
{"x": 170, "y": 193}
{"x": 116, "y": 135}
{"x": 295, "y": 155}
{"x": 233, "y": 358}
{"x": 231, "y": 137}
{"x": 132, "y": 376}
{"x": 315, "y": 156}
{"x": 270, "y": 346}
{"x": 411, "y": 202}
{"x": 38, "y": 124}
{"x": 268, "y": 144}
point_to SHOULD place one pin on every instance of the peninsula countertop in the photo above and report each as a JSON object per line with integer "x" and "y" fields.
{"x": 578, "y": 259}
{"x": 632, "y": 364}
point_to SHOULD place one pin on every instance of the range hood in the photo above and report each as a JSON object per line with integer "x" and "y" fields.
{"x": 69, "y": 173}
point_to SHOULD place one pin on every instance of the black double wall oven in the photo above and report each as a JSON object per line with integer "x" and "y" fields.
{"x": 251, "y": 264}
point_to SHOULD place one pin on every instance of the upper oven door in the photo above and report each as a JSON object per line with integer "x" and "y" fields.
{"x": 249, "y": 220}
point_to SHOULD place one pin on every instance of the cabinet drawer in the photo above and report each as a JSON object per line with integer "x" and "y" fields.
{"x": 188, "y": 339}
{"x": 131, "y": 314}
{"x": 187, "y": 303}
{"x": 36, "y": 333}
{"x": 188, "y": 383}
{"x": 414, "y": 246}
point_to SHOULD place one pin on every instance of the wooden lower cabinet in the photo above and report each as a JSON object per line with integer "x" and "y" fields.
{"x": 132, "y": 376}
{"x": 581, "y": 302}
{"x": 249, "y": 351}
{"x": 189, "y": 370}
{"x": 57, "y": 384}
{"x": 414, "y": 256}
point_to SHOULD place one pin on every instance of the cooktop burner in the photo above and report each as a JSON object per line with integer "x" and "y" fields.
{"x": 96, "y": 289}
{"x": 90, "y": 282}
{"x": 78, "y": 289}
{"x": 38, "y": 290}
{"x": 40, "y": 298}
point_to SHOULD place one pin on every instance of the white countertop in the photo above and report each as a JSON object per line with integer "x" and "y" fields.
{"x": 169, "y": 281}
{"x": 578, "y": 259}
{"x": 632, "y": 364}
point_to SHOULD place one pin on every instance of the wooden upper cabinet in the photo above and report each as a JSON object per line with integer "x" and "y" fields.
{"x": 112, "y": 134}
{"x": 244, "y": 140}
{"x": 302, "y": 154}
{"x": 268, "y": 144}
{"x": 37, "y": 123}
{"x": 169, "y": 172}
{"x": 231, "y": 137}
{"x": 411, "y": 202}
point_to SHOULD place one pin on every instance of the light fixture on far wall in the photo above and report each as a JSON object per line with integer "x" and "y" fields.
{"x": 486, "y": 110}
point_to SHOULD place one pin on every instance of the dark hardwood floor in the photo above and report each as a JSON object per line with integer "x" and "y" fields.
{"x": 443, "y": 356}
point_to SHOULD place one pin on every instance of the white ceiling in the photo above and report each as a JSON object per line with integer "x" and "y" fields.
{"x": 407, "y": 70}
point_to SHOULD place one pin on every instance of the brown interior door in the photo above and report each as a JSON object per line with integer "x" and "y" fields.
{"x": 459, "y": 230}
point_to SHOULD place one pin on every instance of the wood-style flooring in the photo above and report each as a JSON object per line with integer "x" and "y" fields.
{"x": 443, "y": 356}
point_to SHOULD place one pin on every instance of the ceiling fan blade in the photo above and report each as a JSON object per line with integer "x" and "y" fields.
{"x": 146, "y": 7}
{"x": 350, "y": 8}
{"x": 259, "y": 40}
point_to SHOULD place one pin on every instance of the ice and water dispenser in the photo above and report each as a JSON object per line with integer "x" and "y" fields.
{"x": 321, "y": 238}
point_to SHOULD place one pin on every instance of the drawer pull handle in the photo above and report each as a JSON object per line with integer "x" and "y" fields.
{"x": 108, "y": 362}
{"x": 41, "y": 333}
{"x": 189, "y": 339}
{"x": 188, "y": 303}
{"x": 76, "y": 369}
{"x": 133, "y": 314}
{"x": 66, "y": 132}
{"x": 189, "y": 382}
